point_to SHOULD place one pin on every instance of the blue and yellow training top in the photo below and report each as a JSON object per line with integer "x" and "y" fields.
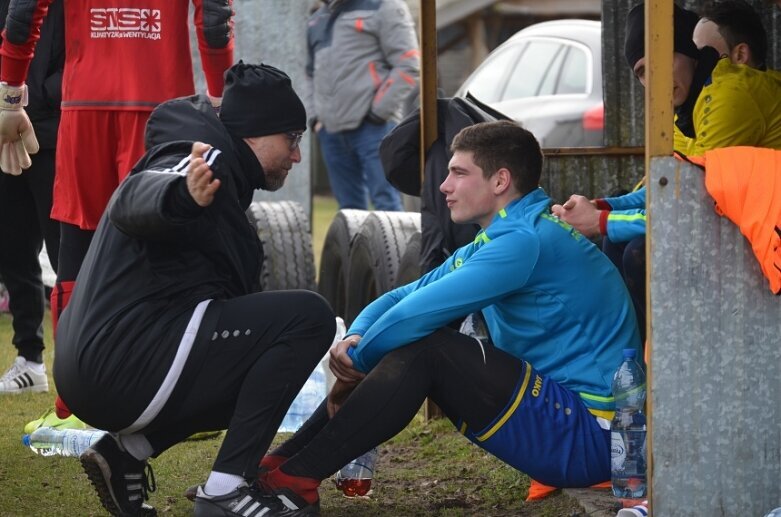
{"x": 548, "y": 295}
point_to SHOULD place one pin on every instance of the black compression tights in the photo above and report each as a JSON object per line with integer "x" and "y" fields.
{"x": 74, "y": 243}
{"x": 469, "y": 382}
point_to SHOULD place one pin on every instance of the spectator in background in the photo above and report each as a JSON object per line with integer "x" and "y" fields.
{"x": 25, "y": 203}
{"x": 363, "y": 63}
{"x": 717, "y": 104}
{"x": 735, "y": 30}
{"x": 112, "y": 80}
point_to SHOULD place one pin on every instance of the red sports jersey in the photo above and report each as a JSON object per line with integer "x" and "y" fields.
{"x": 127, "y": 54}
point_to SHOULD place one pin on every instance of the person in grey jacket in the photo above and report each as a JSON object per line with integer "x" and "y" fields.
{"x": 363, "y": 63}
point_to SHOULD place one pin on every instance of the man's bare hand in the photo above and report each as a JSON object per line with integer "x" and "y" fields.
{"x": 338, "y": 396}
{"x": 581, "y": 213}
{"x": 340, "y": 362}
{"x": 200, "y": 180}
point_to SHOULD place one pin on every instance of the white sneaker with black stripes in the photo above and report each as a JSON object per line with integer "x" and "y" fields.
{"x": 23, "y": 377}
{"x": 254, "y": 501}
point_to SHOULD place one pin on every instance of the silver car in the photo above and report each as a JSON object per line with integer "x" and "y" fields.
{"x": 548, "y": 77}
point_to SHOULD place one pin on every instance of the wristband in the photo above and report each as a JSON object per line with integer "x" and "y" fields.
{"x": 12, "y": 98}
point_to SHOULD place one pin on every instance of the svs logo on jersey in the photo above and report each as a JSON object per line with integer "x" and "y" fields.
{"x": 125, "y": 22}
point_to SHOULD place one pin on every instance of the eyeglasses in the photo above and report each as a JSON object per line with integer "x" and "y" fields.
{"x": 294, "y": 137}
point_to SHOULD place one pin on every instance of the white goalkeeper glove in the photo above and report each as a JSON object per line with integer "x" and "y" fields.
{"x": 17, "y": 137}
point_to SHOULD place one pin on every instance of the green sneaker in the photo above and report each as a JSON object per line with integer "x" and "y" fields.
{"x": 205, "y": 435}
{"x": 50, "y": 419}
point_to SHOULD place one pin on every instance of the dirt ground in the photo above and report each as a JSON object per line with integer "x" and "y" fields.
{"x": 429, "y": 469}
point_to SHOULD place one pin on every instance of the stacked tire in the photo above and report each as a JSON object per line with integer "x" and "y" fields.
{"x": 283, "y": 230}
{"x": 362, "y": 255}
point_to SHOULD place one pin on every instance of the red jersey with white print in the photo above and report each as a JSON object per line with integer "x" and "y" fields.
{"x": 127, "y": 54}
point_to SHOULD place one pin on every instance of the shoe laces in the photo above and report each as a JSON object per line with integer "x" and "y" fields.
{"x": 149, "y": 485}
{"x": 264, "y": 491}
{"x": 14, "y": 370}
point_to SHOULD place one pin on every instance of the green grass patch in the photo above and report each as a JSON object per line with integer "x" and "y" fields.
{"x": 323, "y": 210}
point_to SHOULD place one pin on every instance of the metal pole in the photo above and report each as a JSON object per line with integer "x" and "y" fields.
{"x": 428, "y": 112}
{"x": 658, "y": 146}
{"x": 428, "y": 79}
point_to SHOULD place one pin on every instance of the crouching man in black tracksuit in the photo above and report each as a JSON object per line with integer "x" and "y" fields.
{"x": 166, "y": 334}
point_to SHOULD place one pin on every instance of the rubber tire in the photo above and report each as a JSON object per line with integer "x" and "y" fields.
{"x": 335, "y": 257}
{"x": 409, "y": 266}
{"x": 283, "y": 230}
{"x": 375, "y": 256}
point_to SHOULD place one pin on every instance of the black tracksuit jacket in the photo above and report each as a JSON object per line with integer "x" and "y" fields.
{"x": 155, "y": 255}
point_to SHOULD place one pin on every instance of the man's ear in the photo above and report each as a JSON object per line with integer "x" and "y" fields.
{"x": 740, "y": 54}
{"x": 502, "y": 181}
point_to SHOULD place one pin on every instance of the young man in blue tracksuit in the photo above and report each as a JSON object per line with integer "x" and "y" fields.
{"x": 537, "y": 394}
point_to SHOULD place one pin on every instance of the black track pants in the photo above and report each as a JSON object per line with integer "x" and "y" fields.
{"x": 258, "y": 355}
{"x": 25, "y": 203}
{"x": 469, "y": 381}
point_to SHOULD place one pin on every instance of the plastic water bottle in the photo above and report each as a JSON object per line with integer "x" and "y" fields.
{"x": 48, "y": 441}
{"x": 313, "y": 391}
{"x": 311, "y": 395}
{"x": 355, "y": 478}
{"x": 628, "y": 430}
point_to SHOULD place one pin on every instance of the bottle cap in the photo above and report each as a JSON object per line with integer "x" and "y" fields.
{"x": 26, "y": 440}
{"x": 629, "y": 352}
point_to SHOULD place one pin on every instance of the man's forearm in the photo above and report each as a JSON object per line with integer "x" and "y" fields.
{"x": 22, "y": 32}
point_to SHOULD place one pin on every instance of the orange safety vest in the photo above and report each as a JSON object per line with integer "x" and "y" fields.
{"x": 745, "y": 182}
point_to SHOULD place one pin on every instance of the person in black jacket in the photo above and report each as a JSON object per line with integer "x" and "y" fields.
{"x": 400, "y": 155}
{"x": 25, "y": 203}
{"x": 166, "y": 334}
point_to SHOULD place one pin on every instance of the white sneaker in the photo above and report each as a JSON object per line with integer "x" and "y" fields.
{"x": 22, "y": 377}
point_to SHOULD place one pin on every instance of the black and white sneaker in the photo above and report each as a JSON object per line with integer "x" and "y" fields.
{"x": 254, "y": 501}
{"x": 23, "y": 376}
{"x": 122, "y": 482}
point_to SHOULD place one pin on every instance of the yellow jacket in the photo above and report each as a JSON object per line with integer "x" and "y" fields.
{"x": 739, "y": 105}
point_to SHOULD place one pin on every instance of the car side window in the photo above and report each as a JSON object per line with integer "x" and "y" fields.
{"x": 538, "y": 60}
{"x": 486, "y": 84}
{"x": 574, "y": 72}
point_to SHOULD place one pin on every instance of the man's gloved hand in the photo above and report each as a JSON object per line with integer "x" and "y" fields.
{"x": 17, "y": 137}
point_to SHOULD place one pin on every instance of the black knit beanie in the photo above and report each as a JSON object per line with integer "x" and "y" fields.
{"x": 683, "y": 23}
{"x": 259, "y": 100}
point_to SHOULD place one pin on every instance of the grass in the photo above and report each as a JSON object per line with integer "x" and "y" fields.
{"x": 428, "y": 469}
{"x": 323, "y": 210}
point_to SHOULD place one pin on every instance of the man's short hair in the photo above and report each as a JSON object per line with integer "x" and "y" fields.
{"x": 503, "y": 144}
{"x": 739, "y": 22}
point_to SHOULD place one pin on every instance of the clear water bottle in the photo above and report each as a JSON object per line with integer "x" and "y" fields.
{"x": 48, "y": 441}
{"x": 628, "y": 430}
{"x": 313, "y": 391}
{"x": 355, "y": 478}
{"x": 311, "y": 395}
